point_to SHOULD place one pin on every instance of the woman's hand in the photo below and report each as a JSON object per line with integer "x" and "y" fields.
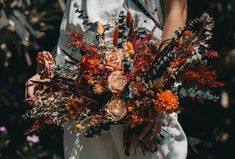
{"x": 31, "y": 87}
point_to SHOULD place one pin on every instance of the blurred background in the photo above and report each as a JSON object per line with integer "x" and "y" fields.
{"x": 29, "y": 26}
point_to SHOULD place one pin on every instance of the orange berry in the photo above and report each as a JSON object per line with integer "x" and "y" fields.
{"x": 78, "y": 126}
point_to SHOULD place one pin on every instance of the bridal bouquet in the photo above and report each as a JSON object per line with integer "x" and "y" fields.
{"x": 135, "y": 82}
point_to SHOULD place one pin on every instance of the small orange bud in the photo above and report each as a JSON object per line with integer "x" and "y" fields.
{"x": 91, "y": 82}
{"x": 187, "y": 33}
{"x": 177, "y": 42}
{"x": 78, "y": 126}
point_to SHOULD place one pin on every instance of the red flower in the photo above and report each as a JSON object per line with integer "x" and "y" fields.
{"x": 212, "y": 54}
{"x": 90, "y": 61}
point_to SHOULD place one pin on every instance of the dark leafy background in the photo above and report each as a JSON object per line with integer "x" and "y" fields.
{"x": 28, "y": 26}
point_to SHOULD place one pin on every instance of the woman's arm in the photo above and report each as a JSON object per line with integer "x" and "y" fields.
{"x": 175, "y": 12}
{"x": 175, "y": 17}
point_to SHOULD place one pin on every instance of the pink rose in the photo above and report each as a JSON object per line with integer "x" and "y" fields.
{"x": 117, "y": 82}
{"x": 113, "y": 60}
{"x": 45, "y": 64}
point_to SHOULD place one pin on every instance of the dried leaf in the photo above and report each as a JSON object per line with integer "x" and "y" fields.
{"x": 128, "y": 19}
{"x": 115, "y": 36}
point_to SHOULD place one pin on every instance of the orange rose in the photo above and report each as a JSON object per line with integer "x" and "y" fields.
{"x": 117, "y": 109}
{"x": 113, "y": 60}
{"x": 45, "y": 63}
{"x": 116, "y": 82}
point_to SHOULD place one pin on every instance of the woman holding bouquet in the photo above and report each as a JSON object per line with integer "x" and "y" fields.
{"x": 79, "y": 16}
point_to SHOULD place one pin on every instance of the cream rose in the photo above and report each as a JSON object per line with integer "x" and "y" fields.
{"x": 113, "y": 60}
{"x": 117, "y": 82}
{"x": 116, "y": 109}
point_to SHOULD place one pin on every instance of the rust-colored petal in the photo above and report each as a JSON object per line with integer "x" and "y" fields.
{"x": 115, "y": 36}
{"x": 128, "y": 19}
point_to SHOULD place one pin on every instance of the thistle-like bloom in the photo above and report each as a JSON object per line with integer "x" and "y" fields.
{"x": 167, "y": 102}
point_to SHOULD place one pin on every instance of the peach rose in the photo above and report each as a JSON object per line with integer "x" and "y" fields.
{"x": 45, "y": 63}
{"x": 117, "y": 109}
{"x": 117, "y": 82}
{"x": 113, "y": 60}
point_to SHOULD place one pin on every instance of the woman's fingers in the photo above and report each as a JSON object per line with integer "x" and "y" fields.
{"x": 30, "y": 86}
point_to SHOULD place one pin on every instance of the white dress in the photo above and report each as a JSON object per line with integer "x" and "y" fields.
{"x": 110, "y": 144}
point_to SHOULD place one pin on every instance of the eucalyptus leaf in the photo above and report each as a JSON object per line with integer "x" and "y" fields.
{"x": 3, "y": 20}
{"x": 193, "y": 142}
{"x": 20, "y": 29}
{"x": 22, "y": 19}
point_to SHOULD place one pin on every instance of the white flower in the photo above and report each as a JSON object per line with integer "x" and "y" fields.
{"x": 117, "y": 109}
{"x": 116, "y": 82}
